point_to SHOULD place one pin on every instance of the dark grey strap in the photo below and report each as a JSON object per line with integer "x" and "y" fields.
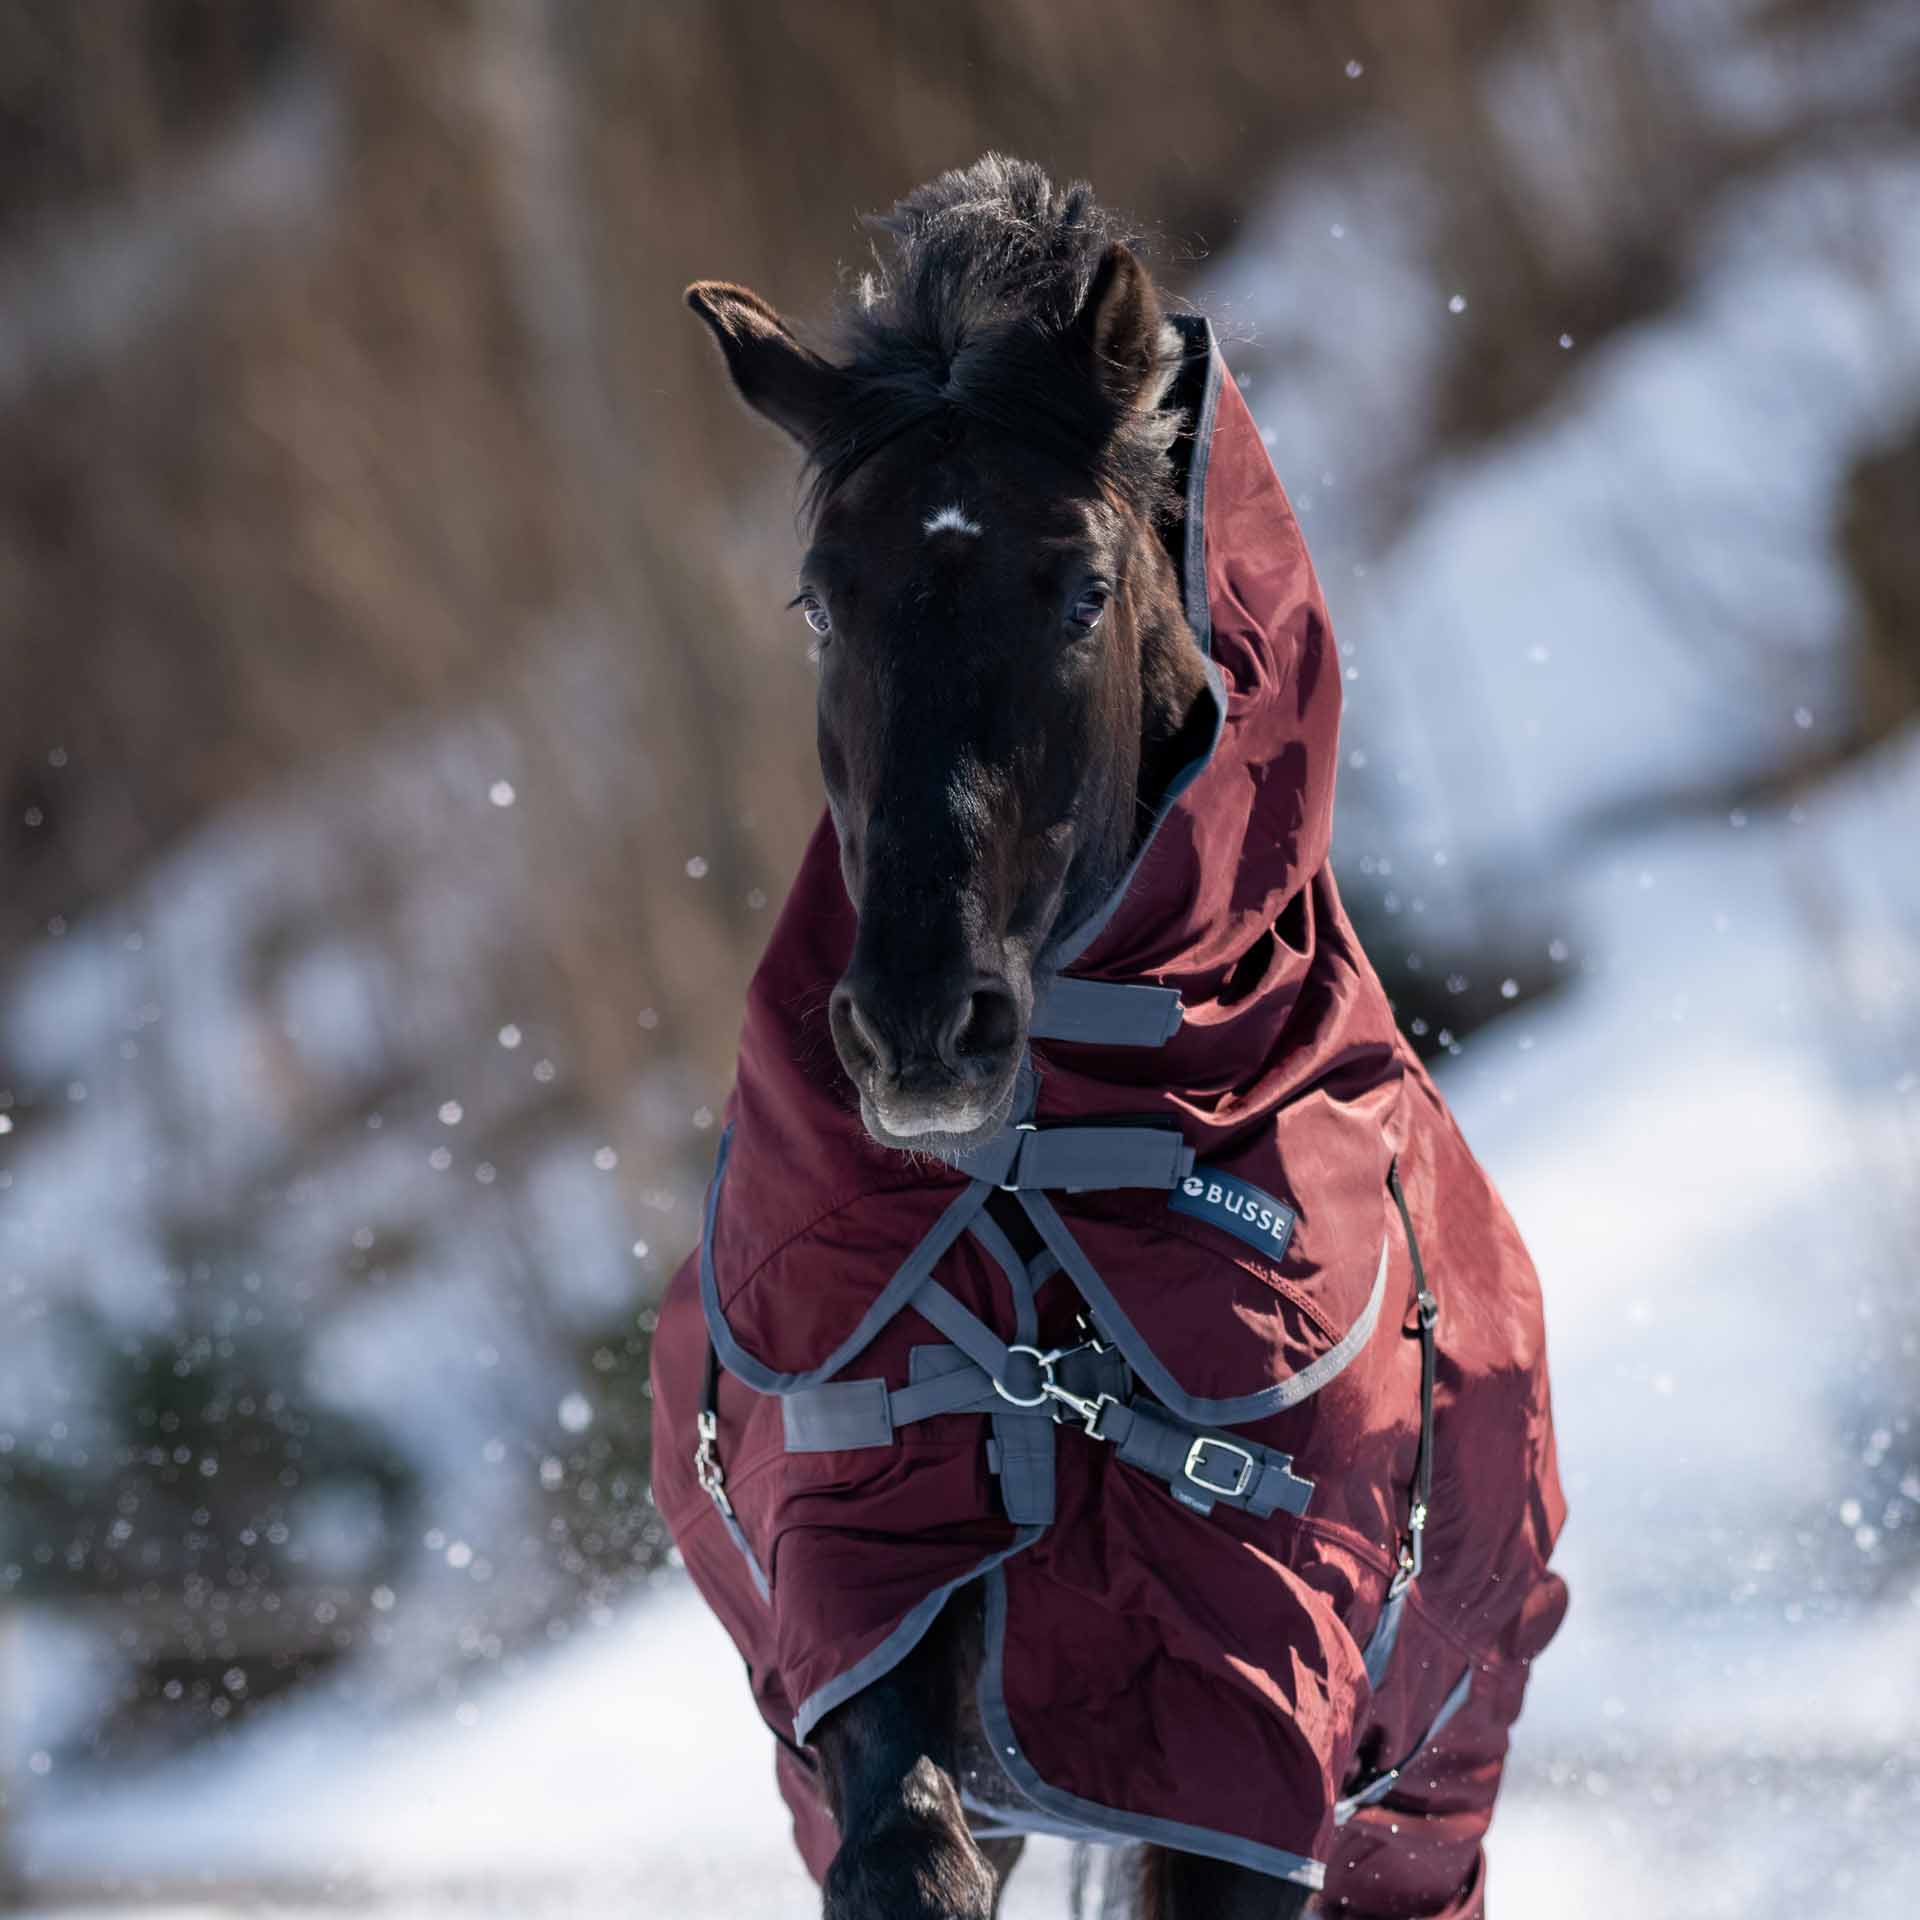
{"x": 989, "y": 1162}
{"x": 845, "y": 1416}
{"x": 958, "y": 1387}
{"x": 960, "y": 1212}
{"x": 1086, "y": 1281}
{"x": 994, "y": 1242}
{"x": 1022, "y": 1449}
{"x": 1029, "y": 1156}
{"x": 1100, "y": 1157}
{"x": 944, "y": 1380}
{"x": 1386, "y": 1635}
{"x": 1107, "y": 1013}
{"x": 1021, "y": 1453}
{"x": 965, "y": 1328}
{"x": 1382, "y": 1784}
{"x": 1202, "y": 1469}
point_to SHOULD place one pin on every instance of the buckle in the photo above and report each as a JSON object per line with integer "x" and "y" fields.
{"x": 1087, "y": 1411}
{"x": 706, "y": 1461}
{"x": 1093, "y": 1339}
{"x": 1412, "y": 1555}
{"x": 1244, "y": 1477}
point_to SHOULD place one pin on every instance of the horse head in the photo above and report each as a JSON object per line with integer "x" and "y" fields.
{"x": 1004, "y": 668}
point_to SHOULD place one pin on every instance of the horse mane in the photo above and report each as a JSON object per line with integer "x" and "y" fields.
{"x": 965, "y": 316}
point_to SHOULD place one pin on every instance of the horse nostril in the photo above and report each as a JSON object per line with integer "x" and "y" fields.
{"x": 986, "y": 1028}
{"x": 857, "y": 1036}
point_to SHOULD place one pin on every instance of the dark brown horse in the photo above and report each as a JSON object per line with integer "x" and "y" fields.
{"x": 1006, "y": 683}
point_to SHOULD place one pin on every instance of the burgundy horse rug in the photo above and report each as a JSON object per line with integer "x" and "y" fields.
{"x": 1219, "y": 1372}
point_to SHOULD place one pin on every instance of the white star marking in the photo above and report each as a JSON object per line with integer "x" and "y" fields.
{"x": 950, "y": 520}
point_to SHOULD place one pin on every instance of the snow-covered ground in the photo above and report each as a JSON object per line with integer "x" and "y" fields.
{"x": 1726, "y": 1214}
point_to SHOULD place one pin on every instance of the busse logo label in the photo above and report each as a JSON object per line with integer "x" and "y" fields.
{"x": 1236, "y": 1207}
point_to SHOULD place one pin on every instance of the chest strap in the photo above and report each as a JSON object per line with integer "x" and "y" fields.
{"x": 1107, "y": 1013}
{"x": 1029, "y": 1391}
{"x": 1028, "y": 1158}
{"x": 1090, "y": 1387}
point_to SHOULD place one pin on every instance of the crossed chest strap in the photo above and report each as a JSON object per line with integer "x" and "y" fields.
{"x": 1108, "y": 1384}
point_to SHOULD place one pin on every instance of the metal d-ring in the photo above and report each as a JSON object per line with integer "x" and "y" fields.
{"x": 1044, "y": 1361}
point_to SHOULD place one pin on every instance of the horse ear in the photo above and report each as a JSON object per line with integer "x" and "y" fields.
{"x": 776, "y": 376}
{"x": 1122, "y": 329}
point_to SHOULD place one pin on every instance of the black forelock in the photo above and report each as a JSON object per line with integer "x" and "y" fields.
{"x": 977, "y": 278}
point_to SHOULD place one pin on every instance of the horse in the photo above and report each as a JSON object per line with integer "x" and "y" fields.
{"x": 1000, "y": 599}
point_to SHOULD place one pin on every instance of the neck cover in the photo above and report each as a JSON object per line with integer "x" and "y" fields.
{"x": 1181, "y": 1448}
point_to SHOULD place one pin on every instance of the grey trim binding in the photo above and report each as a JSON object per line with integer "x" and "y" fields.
{"x": 1082, "y": 937}
{"x": 1382, "y": 1784}
{"x": 900, "y": 1642}
{"x": 1112, "y": 1822}
{"x": 1198, "y": 333}
{"x": 1385, "y": 1637}
{"x": 1236, "y": 1410}
{"x": 908, "y": 1279}
{"x": 1195, "y": 602}
{"x": 737, "y": 1534}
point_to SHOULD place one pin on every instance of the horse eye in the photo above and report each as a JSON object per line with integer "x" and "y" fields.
{"x": 1088, "y": 609}
{"x": 816, "y": 616}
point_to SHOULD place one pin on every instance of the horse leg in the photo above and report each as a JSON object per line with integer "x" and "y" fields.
{"x": 1186, "y": 1886}
{"x": 887, "y": 1760}
{"x": 1001, "y": 1856}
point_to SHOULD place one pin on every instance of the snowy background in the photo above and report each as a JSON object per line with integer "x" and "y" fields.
{"x": 385, "y": 855}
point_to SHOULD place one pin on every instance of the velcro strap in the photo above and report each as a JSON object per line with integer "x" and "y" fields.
{"x": 837, "y": 1417}
{"x": 845, "y": 1415}
{"x": 1099, "y": 1158}
{"x": 1107, "y": 1013}
{"x": 1201, "y": 1469}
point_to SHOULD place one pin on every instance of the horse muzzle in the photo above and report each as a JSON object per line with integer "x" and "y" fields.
{"x": 934, "y": 1063}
